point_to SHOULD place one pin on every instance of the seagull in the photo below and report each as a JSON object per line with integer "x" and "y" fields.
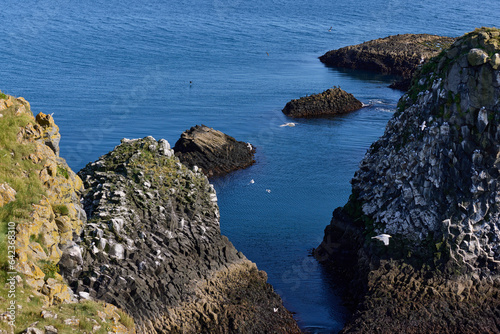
{"x": 330, "y": 29}
{"x": 384, "y": 238}
{"x": 268, "y": 191}
{"x": 287, "y": 124}
{"x": 423, "y": 126}
{"x": 275, "y": 309}
{"x": 251, "y": 181}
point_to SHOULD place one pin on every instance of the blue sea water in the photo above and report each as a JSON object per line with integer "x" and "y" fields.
{"x": 110, "y": 69}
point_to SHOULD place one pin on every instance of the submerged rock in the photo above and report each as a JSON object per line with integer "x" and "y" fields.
{"x": 334, "y": 101}
{"x": 153, "y": 247}
{"x": 398, "y": 55}
{"x": 432, "y": 183}
{"x": 213, "y": 151}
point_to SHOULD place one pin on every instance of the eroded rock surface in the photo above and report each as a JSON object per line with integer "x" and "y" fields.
{"x": 398, "y": 55}
{"x": 334, "y": 101}
{"x": 153, "y": 247}
{"x": 432, "y": 182}
{"x": 213, "y": 151}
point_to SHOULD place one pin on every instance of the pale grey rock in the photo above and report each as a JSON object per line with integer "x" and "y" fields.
{"x": 477, "y": 57}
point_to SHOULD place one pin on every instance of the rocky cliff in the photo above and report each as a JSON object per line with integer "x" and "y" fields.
{"x": 334, "y": 101}
{"x": 40, "y": 207}
{"x": 214, "y": 152}
{"x": 152, "y": 246}
{"x": 432, "y": 183}
{"x": 398, "y": 55}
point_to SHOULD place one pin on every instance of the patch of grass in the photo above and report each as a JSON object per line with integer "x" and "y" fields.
{"x": 49, "y": 268}
{"x": 61, "y": 171}
{"x": 60, "y": 209}
{"x": 19, "y": 173}
{"x": 125, "y": 319}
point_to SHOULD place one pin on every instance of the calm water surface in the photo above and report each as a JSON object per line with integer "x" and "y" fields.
{"x": 110, "y": 69}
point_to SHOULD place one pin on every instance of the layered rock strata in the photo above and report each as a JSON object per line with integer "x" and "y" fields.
{"x": 432, "y": 183}
{"x": 398, "y": 55}
{"x": 334, "y": 101}
{"x": 213, "y": 151}
{"x": 152, "y": 246}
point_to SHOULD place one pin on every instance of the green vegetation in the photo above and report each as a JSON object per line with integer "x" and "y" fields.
{"x": 60, "y": 209}
{"x": 61, "y": 171}
{"x": 49, "y": 268}
{"x": 18, "y": 172}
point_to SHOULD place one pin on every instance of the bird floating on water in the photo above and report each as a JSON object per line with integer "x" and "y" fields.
{"x": 287, "y": 124}
{"x": 251, "y": 181}
{"x": 383, "y": 237}
{"x": 267, "y": 53}
{"x": 330, "y": 29}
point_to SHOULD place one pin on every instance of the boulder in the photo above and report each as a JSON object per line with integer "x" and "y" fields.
{"x": 334, "y": 101}
{"x": 213, "y": 151}
{"x": 398, "y": 55}
{"x": 7, "y": 194}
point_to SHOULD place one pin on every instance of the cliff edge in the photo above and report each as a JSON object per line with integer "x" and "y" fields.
{"x": 40, "y": 212}
{"x": 432, "y": 183}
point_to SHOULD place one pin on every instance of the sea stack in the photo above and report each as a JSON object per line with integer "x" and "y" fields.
{"x": 432, "y": 182}
{"x": 213, "y": 151}
{"x": 331, "y": 102}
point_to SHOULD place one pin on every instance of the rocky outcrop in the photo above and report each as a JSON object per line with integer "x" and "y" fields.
{"x": 213, "y": 151}
{"x": 432, "y": 183}
{"x": 152, "y": 246}
{"x": 334, "y": 101}
{"x": 398, "y": 55}
{"x": 40, "y": 206}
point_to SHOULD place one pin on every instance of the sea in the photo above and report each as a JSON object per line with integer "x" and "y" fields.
{"x": 109, "y": 69}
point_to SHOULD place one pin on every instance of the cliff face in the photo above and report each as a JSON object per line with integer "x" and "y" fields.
{"x": 152, "y": 246}
{"x": 41, "y": 204}
{"x": 432, "y": 182}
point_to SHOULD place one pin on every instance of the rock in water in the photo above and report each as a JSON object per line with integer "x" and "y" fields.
{"x": 334, "y": 101}
{"x": 432, "y": 182}
{"x": 213, "y": 151}
{"x": 153, "y": 247}
{"x": 398, "y": 55}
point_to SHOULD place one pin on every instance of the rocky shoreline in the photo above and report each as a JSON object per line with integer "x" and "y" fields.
{"x": 431, "y": 182}
{"x": 398, "y": 55}
{"x": 334, "y": 101}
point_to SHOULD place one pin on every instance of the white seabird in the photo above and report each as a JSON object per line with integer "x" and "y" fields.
{"x": 287, "y": 124}
{"x": 384, "y": 238}
{"x": 423, "y": 126}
